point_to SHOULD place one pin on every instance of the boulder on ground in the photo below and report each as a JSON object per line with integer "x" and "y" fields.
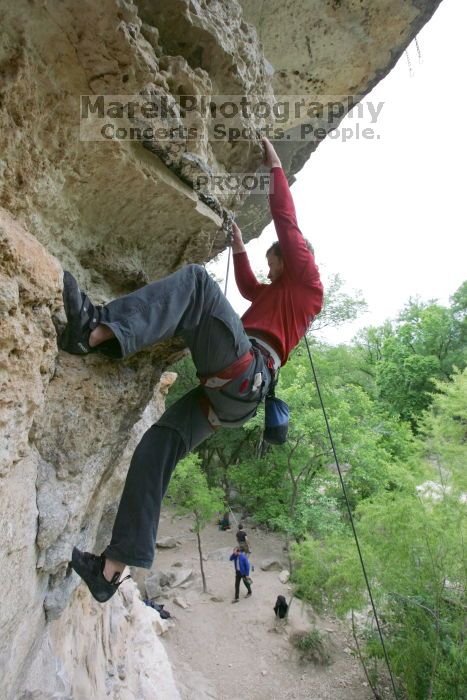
{"x": 155, "y": 582}
{"x": 222, "y": 554}
{"x": 284, "y": 575}
{"x": 166, "y": 543}
{"x": 271, "y": 564}
{"x": 180, "y": 601}
{"x": 159, "y": 625}
{"x": 180, "y": 577}
{"x": 187, "y": 584}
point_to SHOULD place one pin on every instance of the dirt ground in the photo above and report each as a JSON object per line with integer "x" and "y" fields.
{"x": 231, "y": 652}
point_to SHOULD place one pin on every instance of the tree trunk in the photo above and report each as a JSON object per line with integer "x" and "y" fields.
{"x": 205, "y": 588}
{"x": 293, "y": 503}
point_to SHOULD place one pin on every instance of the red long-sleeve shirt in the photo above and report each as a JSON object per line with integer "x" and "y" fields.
{"x": 283, "y": 310}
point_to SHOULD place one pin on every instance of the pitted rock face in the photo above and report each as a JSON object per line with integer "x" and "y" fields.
{"x": 119, "y": 214}
{"x": 126, "y": 213}
{"x": 333, "y": 47}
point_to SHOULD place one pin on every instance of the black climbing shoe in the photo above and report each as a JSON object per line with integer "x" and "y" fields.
{"x": 82, "y": 318}
{"x": 91, "y": 567}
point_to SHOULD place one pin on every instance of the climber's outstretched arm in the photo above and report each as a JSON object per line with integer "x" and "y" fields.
{"x": 246, "y": 281}
{"x": 298, "y": 258}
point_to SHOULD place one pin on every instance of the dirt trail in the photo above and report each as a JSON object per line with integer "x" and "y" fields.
{"x": 229, "y": 652}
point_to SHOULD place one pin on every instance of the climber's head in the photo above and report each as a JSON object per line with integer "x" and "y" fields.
{"x": 275, "y": 262}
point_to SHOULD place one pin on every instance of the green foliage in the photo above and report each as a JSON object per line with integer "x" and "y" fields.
{"x": 444, "y": 429}
{"x": 312, "y": 646}
{"x": 190, "y": 492}
{"x": 328, "y": 573}
{"x": 424, "y": 344}
{"x": 405, "y": 379}
{"x": 317, "y": 512}
{"x": 339, "y": 307}
{"x": 414, "y": 551}
{"x": 186, "y": 379}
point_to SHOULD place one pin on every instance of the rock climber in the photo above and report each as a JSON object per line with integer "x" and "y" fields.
{"x": 235, "y": 360}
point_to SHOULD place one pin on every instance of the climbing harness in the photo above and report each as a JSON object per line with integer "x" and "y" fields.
{"x": 221, "y": 379}
{"x": 272, "y": 359}
{"x": 328, "y": 428}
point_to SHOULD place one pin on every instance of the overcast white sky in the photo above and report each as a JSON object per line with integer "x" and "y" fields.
{"x": 389, "y": 215}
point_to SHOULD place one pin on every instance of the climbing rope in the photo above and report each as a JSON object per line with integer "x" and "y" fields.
{"x": 229, "y": 218}
{"x": 228, "y": 269}
{"x": 407, "y": 55}
{"x": 380, "y": 632}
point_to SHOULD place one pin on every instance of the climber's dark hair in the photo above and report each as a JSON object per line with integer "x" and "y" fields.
{"x": 276, "y": 248}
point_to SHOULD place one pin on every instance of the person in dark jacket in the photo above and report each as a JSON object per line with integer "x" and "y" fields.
{"x": 281, "y": 607}
{"x": 242, "y": 572}
{"x": 224, "y": 522}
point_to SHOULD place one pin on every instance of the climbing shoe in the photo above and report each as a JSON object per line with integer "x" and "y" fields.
{"x": 91, "y": 569}
{"x": 82, "y": 317}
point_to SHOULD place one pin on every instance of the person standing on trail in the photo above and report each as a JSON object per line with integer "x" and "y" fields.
{"x": 236, "y": 361}
{"x": 242, "y": 572}
{"x": 242, "y": 539}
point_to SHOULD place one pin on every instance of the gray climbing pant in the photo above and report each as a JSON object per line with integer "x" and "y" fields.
{"x": 188, "y": 304}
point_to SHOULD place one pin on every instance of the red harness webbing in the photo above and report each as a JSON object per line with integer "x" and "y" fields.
{"x": 219, "y": 380}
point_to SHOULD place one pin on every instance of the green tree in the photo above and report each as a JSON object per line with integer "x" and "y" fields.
{"x": 339, "y": 307}
{"x": 191, "y": 495}
{"x": 443, "y": 432}
{"x": 413, "y": 546}
{"x": 459, "y": 310}
{"x": 406, "y": 379}
{"x": 424, "y": 344}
